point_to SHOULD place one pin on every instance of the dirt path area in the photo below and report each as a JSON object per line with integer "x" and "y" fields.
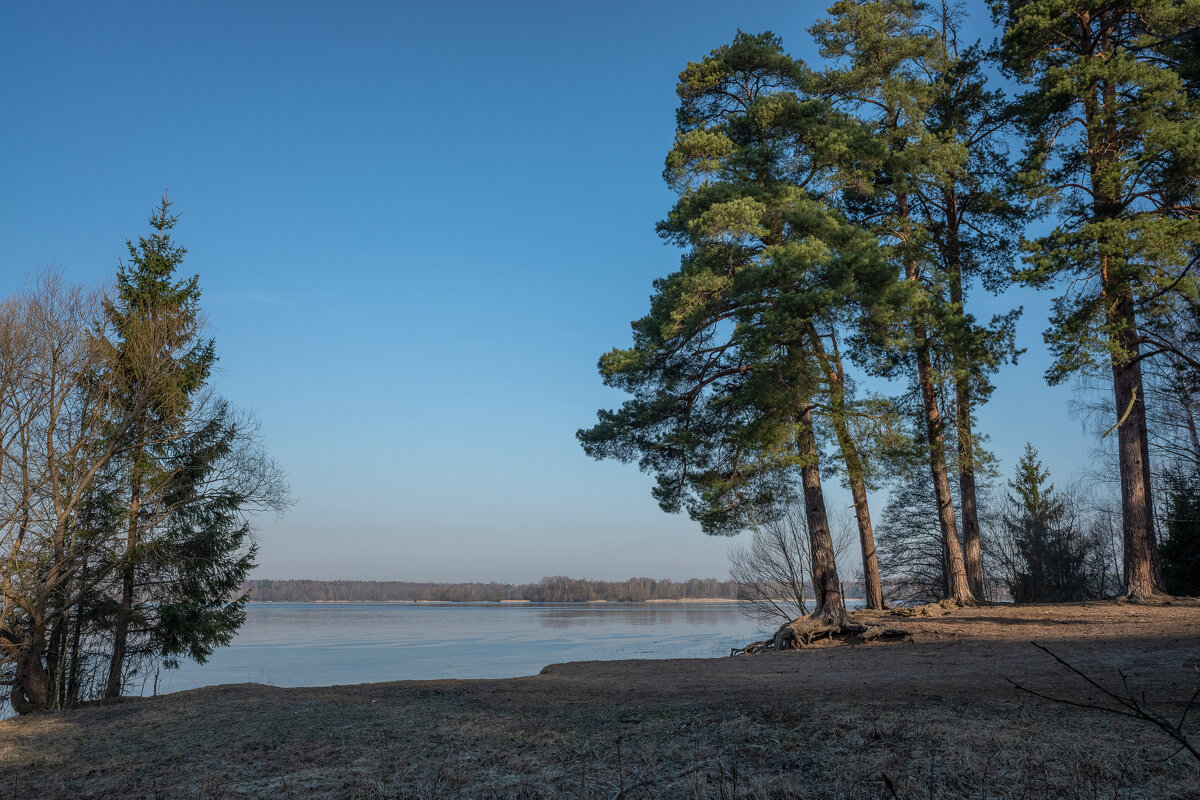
{"x": 935, "y": 716}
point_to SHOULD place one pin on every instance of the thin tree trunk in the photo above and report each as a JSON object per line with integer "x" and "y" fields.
{"x": 964, "y": 437}
{"x": 58, "y": 586}
{"x": 23, "y": 526}
{"x": 54, "y": 655}
{"x": 125, "y": 614}
{"x": 956, "y": 572}
{"x": 116, "y": 665}
{"x": 973, "y": 550}
{"x": 76, "y": 636}
{"x": 855, "y": 473}
{"x": 959, "y": 586}
{"x": 872, "y": 584}
{"x": 826, "y": 586}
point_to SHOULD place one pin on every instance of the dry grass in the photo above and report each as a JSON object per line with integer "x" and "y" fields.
{"x": 935, "y": 715}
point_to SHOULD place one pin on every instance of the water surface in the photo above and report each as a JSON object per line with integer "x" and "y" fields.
{"x": 322, "y": 644}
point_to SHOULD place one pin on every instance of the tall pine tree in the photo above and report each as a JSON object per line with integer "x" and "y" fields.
{"x": 884, "y": 72}
{"x": 723, "y": 369}
{"x": 974, "y": 221}
{"x": 1113, "y": 128}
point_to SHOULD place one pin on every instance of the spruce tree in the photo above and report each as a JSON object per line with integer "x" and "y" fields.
{"x": 192, "y": 468}
{"x": 1044, "y": 559}
{"x": 189, "y": 468}
{"x": 130, "y": 480}
{"x": 205, "y": 551}
{"x": 160, "y": 361}
{"x": 1180, "y": 549}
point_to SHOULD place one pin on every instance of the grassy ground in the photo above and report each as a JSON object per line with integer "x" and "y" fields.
{"x": 934, "y": 715}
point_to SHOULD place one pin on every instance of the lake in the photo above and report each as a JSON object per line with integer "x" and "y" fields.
{"x": 318, "y": 644}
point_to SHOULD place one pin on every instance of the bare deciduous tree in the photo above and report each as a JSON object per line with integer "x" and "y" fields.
{"x": 774, "y": 570}
{"x": 65, "y": 451}
{"x": 57, "y": 439}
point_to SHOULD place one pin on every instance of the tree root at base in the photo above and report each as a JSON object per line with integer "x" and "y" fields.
{"x": 806, "y": 630}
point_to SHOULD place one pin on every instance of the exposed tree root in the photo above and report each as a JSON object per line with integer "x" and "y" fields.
{"x": 807, "y": 630}
{"x": 1154, "y": 598}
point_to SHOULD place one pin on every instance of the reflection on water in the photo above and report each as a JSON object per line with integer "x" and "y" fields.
{"x": 637, "y": 614}
{"x": 316, "y": 644}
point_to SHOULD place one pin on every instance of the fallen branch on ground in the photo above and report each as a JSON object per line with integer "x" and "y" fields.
{"x": 1130, "y": 705}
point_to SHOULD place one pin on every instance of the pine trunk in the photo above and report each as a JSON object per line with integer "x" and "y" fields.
{"x": 826, "y": 586}
{"x": 964, "y": 436}
{"x": 959, "y": 588}
{"x": 872, "y": 585}
{"x": 855, "y": 473}
{"x": 1143, "y": 577}
{"x": 973, "y": 550}
{"x": 1142, "y": 574}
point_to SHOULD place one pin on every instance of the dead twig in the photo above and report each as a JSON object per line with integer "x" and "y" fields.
{"x": 625, "y": 790}
{"x": 1130, "y": 704}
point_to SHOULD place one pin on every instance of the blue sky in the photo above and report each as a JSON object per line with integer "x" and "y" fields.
{"x": 416, "y": 227}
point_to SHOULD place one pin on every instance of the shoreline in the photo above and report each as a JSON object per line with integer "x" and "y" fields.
{"x": 498, "y": 602}
{"x": 682, "y": 600}
{"x": 679, "y": 727}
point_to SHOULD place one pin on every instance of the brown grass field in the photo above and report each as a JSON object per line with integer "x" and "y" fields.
{"x": 935, "y": 716}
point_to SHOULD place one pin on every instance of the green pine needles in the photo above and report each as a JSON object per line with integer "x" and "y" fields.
{"x": 849, "y": 211}
{"x": 1113, "y": 147}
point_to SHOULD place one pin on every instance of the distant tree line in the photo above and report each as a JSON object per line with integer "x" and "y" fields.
{"x": 556, "y": 589}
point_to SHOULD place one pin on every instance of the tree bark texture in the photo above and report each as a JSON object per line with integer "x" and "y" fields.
{"x": 973, "y": 550}
{"x": 855, "y": 472}
{"x": 956, "y": 570}
{"x": 1143, "y": 579}
{"x": 826, "y": 586}
{"x": 964, "y": 437}
{"x": 31, "y": 685}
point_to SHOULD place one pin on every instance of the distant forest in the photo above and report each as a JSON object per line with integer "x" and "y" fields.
{"x": 557, "y": 589}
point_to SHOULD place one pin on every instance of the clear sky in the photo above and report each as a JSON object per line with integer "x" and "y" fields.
{"x": 416, "y": 226}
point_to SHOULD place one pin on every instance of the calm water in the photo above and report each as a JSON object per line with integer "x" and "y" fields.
{"x": 315, "y": 644}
